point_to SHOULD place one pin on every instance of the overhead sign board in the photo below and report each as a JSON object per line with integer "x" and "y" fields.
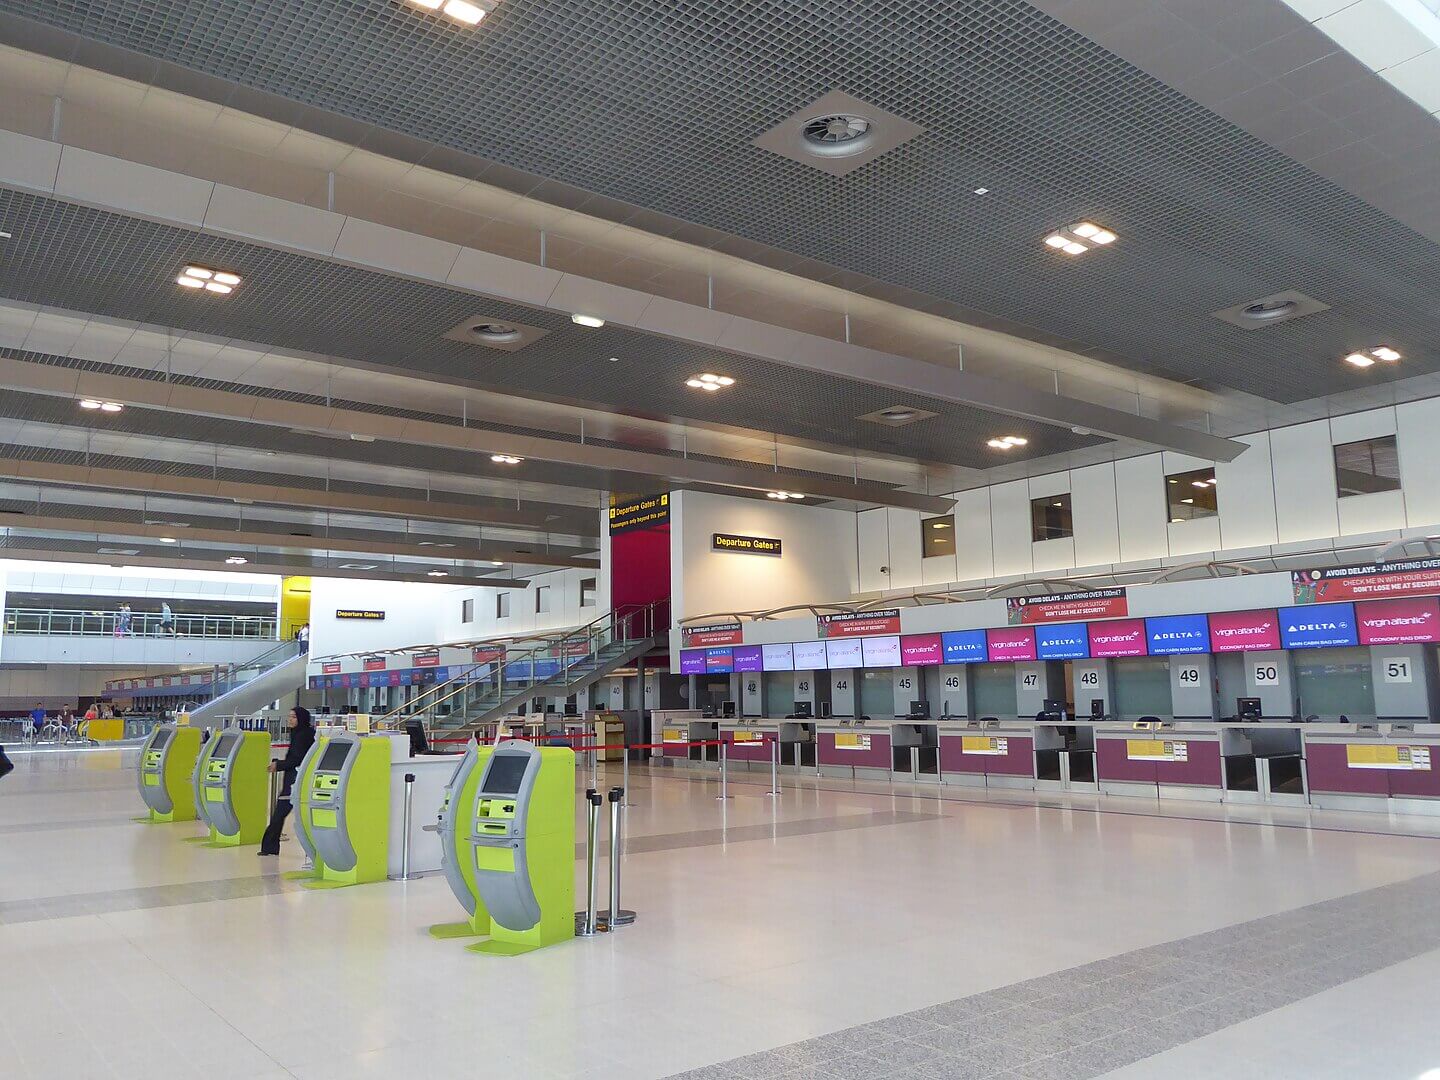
{"x": 646, "y": 513}
{"x": 859, "y": 623}
{"x": 810, "y": 656}
{"x": 1373, "y": 581}
{"x": 428, "y": 658}
{"x": 843, "y": 653}
{"x": 1244, "y": 631}
{"x": 368, "y": 614}
{"x": 1123, "y": 637}
{"x": 1177, "y": 635}
{"x": 1318, "y": 626}
{"x": 964, "y": 647}
{"x": 1068, "y": 641}
{"x": 1067, "y": 607}
{"x": 881, "y": 651}
{"x": 745, "y": 545}
{"x": 719, "y": 633}
{"x": 1399, "y": 622}
{"x": 1011, "y": 643}
{"x": 330, "y": 667}
{"x": 373, "y": 663}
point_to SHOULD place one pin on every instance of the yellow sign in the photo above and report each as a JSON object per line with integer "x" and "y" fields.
{"x": 182, "y": 719}
{"x": 751, "y": 545}
{"x": 985, "y": 744}
{"x": 849, "y": 741}
{"x": 1156, "y": 750}
{"x": 639, "y": 513}
{"x": 674, "y": 734}
{"x": 358, "y": 723}
{"x": 745, "y": 736}
{"x": 1387, "y": 756}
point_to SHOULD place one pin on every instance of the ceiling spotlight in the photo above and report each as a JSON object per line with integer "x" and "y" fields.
{"x": 216, "y": 287}
{"x": 783, "y": 496}
{"x": 709, "y": 381}
{"x": 594, "y": 322}
{"x": 1007, "y": 442}
{"x": 1187, "y": 501}
{"x": 1199, "y": 483}
{"x": 505, "y": 459}
{"x": 227, "y": 279}
{"x": 236, "y": 560}
{"x": 199, "y": 272}
{"x": 167, "y": 539}
{"x": 982, "y": 191}
{"x": 1384, "y": 352}
{"x": 438, "y": 573}
{"x": 1079, "y": 238}
{"x": 1359, "y": 360}
{"x": 496, "y": 562}
{"x": 614, "y": 359}
{"x": 465, "y": 12}
{"x": 202, "y": 277}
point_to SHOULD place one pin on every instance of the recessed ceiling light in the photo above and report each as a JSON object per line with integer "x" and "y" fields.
{"x": 592, "y": 321}
{"x": 1006, "y": 442}
{"x": 1187, "y": 500}
{"x": 4, "y": 235}
{"x": 438, "y": 573}
{"x": 428, "y": 5}
{"x": 940, "y": 525}
{"x": 94, "y": 405}
{"x": 167, "y": 540}
{"x": 1384, "y": 352}
{"x": 505, "y": 459}
{"x": 1174, "y": 481}
{"x": 199, "y": 272}
{"x": 614, "y": 359}
{"x": 709, "y": 382}
{"x": 982, "y": 191}
{"x": 202, "y": 277}
{"x": 361, "y": 438}
{"x": 89, "y": 403}
{"x": 236, "y": 560}
{"x": 1199, "y": 483}
{"x": 496, "y": 562}
{"x": 1359, "y": 359}
{"x": 1175, "y": 521}
{"x": 216, "y": 287}
{"x": 189, "y": 282}
{"x": 783, "y": 495}
{"x": 111, "y": 406}
{"x": 1079, "y": 238}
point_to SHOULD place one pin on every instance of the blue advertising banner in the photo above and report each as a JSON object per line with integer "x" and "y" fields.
{"x": 963, "y": 647}
{"x": 1318, "y": 626}
{"x": 1062, "y": 641}
{"x": 1177, "y": 635}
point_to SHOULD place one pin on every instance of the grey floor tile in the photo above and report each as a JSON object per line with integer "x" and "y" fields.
{"x": 765, "y": 1065}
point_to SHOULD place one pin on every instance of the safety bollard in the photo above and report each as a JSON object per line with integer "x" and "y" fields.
{"x": 615, "y": 915}
{"x": 774, "y": 791}
{"x": 405, "y": 839}
{"x": 724, "y": 773}
{"x": 585, "y": 920}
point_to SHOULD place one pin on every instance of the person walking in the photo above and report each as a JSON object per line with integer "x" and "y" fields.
{"x": 167, "y": 619}
{"x": 302, "y": 738}
{"x": 303, "y": 637}
{"x": 122, "y": 623}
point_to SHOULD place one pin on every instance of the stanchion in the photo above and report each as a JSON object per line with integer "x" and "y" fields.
{"x": 274, "y": 790}
{"x": 774, "y": 791}
{"x": 585, "y": 920}
{"x": 405, "y": 839}
{"x": 724, "y": 774}
{"x": 615, "y": 915}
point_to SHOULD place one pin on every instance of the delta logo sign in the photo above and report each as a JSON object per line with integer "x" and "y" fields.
{"x": 1318, "y": 626}
{"x": 1177, "y": 635}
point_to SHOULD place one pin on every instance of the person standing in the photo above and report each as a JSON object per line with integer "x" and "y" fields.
{"x": 37, "y": 720}
{"x": 302, "y": 738}
{"x": 303, "y": 637}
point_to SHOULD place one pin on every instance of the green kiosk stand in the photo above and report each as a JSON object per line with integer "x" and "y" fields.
{"x": 167, "y": 762}
{"x": 455, "y": 860}
{"x": 522, "y": 846}
{"x": 301, "y": 802}
{"x": 345, "y": 804}
{"x": 232, "y": 787}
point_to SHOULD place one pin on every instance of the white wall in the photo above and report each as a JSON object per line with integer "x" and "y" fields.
{"x": 817, "y": 564}
{"x": 56, "y": 687}
{"x": 134, "y": 581}
{"x": 413, "y": 614}
{"x": 564, "y": 614}
{"x": 1280, "y": 491}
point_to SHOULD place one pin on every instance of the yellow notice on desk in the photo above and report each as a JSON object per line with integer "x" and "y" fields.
{"x": 848, "y": 740}
{"x": 674, "y": 734}
{"x": 745, "y": 736}
{"x": 1156, "y": 750}
{"x": 985, "y": 744}
{"x": 1383, "y": 756}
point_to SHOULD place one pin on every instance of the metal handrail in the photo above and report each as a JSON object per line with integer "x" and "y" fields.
{"x": 540, "y": 640}
{"x": 81, "y": 622}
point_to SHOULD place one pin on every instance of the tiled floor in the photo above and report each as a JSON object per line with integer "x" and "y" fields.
{"x": 1055, "y": 941}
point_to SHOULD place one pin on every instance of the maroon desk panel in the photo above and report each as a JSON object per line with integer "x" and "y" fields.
{"x": 1018, "y": 760}
{"x": 745, "y": 751}
{"x": 1112, "y": 762}
{"x": 1326, "y": 769}
{"x": 877, "y": 757}
{"x": 1201, "y": 767}
{"x": 953, "y": 758}
{"x": 1417, "y": 783}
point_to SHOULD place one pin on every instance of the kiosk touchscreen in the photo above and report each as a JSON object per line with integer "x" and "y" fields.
{"x": 233, "y": 787}
{"x": 522, "y": 845}
{"x": 455, "y": 811}
{"x": 167, "y": 763}
{"x": 347, "y": 810}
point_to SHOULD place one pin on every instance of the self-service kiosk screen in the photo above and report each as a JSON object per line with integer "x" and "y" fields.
{"x": 161, "y": 738}
{"x": 505, "y": 774}
{"x": 333, "y": 760}
{"x": 222, "y": 746}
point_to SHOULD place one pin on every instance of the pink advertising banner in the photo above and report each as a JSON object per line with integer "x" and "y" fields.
{"x": 1244, "y": 631}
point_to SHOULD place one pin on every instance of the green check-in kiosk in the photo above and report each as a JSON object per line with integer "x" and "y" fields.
{"x": 346, "y": 808}
{"x": 232, "y": 787}
{"x": 521, "y": 842}
{"x": 167, "y": 763}
{"x": 455, "y": 859}
{"x": 299, "y": 799}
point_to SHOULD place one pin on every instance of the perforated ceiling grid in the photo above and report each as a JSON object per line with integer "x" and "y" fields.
{"x": 655, "y": 103}
{"x": 108, "y": 264}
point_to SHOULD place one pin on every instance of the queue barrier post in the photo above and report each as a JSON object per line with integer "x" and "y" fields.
{"x": 585, "y": 922}
{"x": 774, "y": 791}
{"x": 405, "y": 838}
{"x": 615, "y": 915}
{"x": 724, "y": 773}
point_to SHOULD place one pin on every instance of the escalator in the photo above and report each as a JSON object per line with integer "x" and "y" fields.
{"x": 256, "y": 683}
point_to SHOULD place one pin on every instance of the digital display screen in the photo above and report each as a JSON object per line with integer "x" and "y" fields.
{"x": 1011, "y": 643}
{"x": 748, "y": 658}
{"x": 1062, "y": 641}
{"x": 719, "y": 661}
{"x": 505, "y": 774}
{"x": 1119, "y": 637}
{"x": 964, "y": 647}
{"x": 692, "y": 662}
{"x": 809, "y": 656}
{"x": 1318, "y": 626}
{"x": 333, "y": 759}
{"x": 840, "y": 653}
{"x": 1177, "y": 635}
{"x": 223, "y": 745}
{"x": 778, "y": 657}
{"x": 162, "y": 736}
{"x": 921, "y": 649}
{"x": 881, "y": 651}
{"x": 1244, "y": 631}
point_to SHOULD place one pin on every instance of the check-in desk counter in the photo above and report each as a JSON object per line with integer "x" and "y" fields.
{"x": 750, "y": 742}
{"x": 675, "y": 728}
{"x": 1165, "y": 760}
{"x": 987, "y": 753}
{"x": 915, "y": 749}
{"x": 1382, "y": 766}
{"x": 1064, "y": 756}
{"x": 1262, "y": 763}
{"x": 853, "y": 748}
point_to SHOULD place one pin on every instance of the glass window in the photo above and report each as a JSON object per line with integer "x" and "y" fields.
{"x": 877, "y": 693}
{"x": 993, "y": 691}
{"x": 588, "y": 592}
{"x": 467, "y": 610}
{"x": 937, "y": 536}
{"x": 1141, "y": 687}
{"x": 1368, "y": 466}
{"x": 1332, "y": 682}
{"x": 779, "y": 693}
{"x": 1050, "y": 518}
{"x": 1191, "y": 495}
{"x": 502, "y": 605}
{"x": 542, "y": 599}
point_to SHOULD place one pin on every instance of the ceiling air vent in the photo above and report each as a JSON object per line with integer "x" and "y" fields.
{"x": 897, "y": 415}
{"x": 837, "y": 134}
{"x": 1271, "y": 310}
{"x": 117, "y": 551}
{"x": 495, "y": 333}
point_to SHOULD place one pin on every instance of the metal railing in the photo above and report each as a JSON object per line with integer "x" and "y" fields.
{"x": 233, "y": 676}
{"x": 91, "y": 623}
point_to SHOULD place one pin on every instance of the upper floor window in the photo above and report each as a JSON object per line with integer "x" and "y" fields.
{"x": 1368, "y": 466}
{"x": 1191, "y": 495}
{"x": 542, "y": 599}
{"x": 467, "y": 611}
{"x": 1050, "y": 518}
{"x": 937, "y": 536}
{"x": 588, "y": 592}
{"x": 502, "y": 605}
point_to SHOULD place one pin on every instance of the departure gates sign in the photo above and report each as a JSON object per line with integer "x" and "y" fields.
{"x": 640, "y": 513}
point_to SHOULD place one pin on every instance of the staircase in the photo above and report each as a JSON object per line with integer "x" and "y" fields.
{"x": 561, "y": 667}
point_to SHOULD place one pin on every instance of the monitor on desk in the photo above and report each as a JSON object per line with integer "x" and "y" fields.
{"x": 1247, "y": 708}
{"x": 1055, "y": 706}
{"x": 920, "y": 709}
{"x": 1097, "y": 708}
{"x": 727, "y": 709}
{"x": 804, "y": 708}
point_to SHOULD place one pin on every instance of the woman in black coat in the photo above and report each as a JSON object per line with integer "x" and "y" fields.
{"x": 302, "y": 738}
